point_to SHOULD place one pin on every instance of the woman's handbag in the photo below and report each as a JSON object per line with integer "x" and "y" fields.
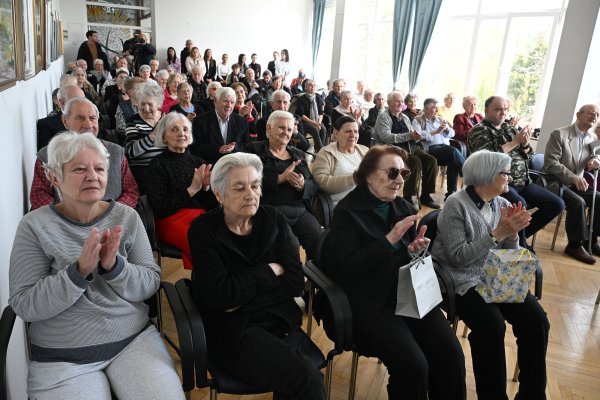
{"x": 507, "y": 275}
{"x": 418, "y": 287}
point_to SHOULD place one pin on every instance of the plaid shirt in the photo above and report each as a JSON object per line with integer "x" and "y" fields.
{"x": 42, "y": 192}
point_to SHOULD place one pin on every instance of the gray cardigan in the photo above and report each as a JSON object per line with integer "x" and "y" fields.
{"x": 463, "y": 239}
{"x": 74, "y": 319}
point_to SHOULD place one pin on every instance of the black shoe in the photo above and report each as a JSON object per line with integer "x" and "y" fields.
{"x": 427, "y": 201}
{"x": 596, "y": 249}
{"x": 580, "y": 254}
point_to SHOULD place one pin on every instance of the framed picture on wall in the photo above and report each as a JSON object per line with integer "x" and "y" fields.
{"x": 28, "y": 39}
{"x": 48, "y": 29}
{"x": 8, "y": 58}
{"x": 39, "y": 37}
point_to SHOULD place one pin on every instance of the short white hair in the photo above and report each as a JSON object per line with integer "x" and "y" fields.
{"x": 65, "y": 146}
{"x": 162, "y": 73}
{"x": 63, "y": 92}
{"x": 145, "y": 67}
{"x": 280, "y": 92}
{"x": 155, "y": 92}
{"x": 164, "y": 124}
{"x": 225, "y": 91}
{"x": 219, "y": 177}
{"x": 482, "y": 167}
{"x": 212, "y": 85}
{"x": 79, "y": 100}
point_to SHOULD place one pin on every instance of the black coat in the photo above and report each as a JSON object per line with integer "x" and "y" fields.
{"x": 208, "y": 138}
{"x": 302, "y": 142}
{"x": 224, "y": 278}
{"x": 85, "y": 53}
{"x": 303, "y": 105}
{"x": 47, "y": 128}
{"x": 359, "y": 258}
{"x": 211, "y": 70}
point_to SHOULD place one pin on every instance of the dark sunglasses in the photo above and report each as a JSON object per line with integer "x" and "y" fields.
{"x": 393, "y": 173}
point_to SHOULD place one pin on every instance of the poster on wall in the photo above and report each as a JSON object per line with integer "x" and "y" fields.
{"x": 28, "y": 40}
{"x": 8, "y": 65}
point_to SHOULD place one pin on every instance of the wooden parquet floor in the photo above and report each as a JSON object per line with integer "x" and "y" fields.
{"x": 573, "y": 359}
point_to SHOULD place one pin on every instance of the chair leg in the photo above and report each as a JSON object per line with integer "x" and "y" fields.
{"x": 558, "y": 221}
{"x": 516, "y": 373}
{"x": 598, "y": 298}
{"x": 533, "y": 241}
{"x": 353, "y": 373}
{"x": 188, "y": 395}
{"x": 328, "y": 378}
{"x": 455, "y": 324}
{"x": 443, "y": 171}
{"x": 309, "y": 309}
{"x": 465, "y": 331}
{"x": 213, "y": 394}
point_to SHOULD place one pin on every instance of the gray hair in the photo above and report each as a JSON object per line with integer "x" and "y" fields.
{"x": 65, "y": 146}
{"x": 150, "y": 90}
{"x": 279, "y": 114}
{"x": 410, "y": 97}
{"x": 390, "y": 96}
{"x": 76, "y": 70}
{"x": 346, "y": 93}
{"x": 145, "y": 67}
{"x": 163, "y": 73}
{"x": 164, "y": 124}
{"x": 481, "y": 167}
{"x": 183, "y": 85}
{"x": 67, "y": 79}
{"x": 280, "y": 92}
{"x": 225, "y": 91}
{"x": 211, "y": 85}
{"x": 467, "y": 99}
{"x": 219, "y": 177}
{"x": 98, "y": 61}
{"x": 78, "y": 100}
{"x": 63, "y": 92}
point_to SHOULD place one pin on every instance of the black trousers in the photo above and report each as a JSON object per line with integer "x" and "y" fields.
{"x": 319, "y": 135}
{"x": 423, "y": 356}
{"x": 277, "y": 362}
{"x": 305, "y": 226}
{"x": 532, "y": 195}
{"x": 576, "y": 222}
{"x": 420, "y": 164}
{"x": 452, "y": 158}
{"x": 530, "y": 326}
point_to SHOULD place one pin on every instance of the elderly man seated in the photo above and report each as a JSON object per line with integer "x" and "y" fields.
{"x": 394, "y": 127}
{"x": 50, "y": 126}
{"x": 567, "y": 155}
{"x": 220, "y": 132}
{"x": 280, "y": 100}
{"x": 494, "y": 134}
{"x": 437, "y": 133}
{"x": 81, "y": 115}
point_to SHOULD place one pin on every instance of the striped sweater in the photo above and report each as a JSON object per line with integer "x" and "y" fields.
{"x": 74, "y": 319}
{"x": 139, "y": 147}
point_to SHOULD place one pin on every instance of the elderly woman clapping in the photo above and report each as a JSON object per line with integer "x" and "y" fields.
{"x": 472, "y": 222}
{"x": 80, "y": 271}
{"x": 288, "y": 183}
{"x": 179, "y": 190}
{"x": 141, "y": 135}
{"x": 335, "y": 164}
{"x": 373, "y": 234}
{"x": 247, "y": 271}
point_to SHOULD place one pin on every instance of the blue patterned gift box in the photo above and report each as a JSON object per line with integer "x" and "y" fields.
{"x": 506, "y": 275}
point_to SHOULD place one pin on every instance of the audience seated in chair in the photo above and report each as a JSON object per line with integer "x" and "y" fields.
{"x": 472, "y": 222}
{"x": 247, "y": 271}
{"x": 463, "y": 123}
{"x": 80, "y": 270}
{"x": 371, "y": 235}
{"x": 310, "y": 110}
{"x": 179, "y": 190}
{"x": 562, "y": 149}
{"x": 50, "y": 126}
{"x": 81, "y": 116}
{"x": 494, "y": 134}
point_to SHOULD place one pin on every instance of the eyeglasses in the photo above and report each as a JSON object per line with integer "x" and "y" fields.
{"x": 393, "y": 173}
{"x": 507, "y": 174}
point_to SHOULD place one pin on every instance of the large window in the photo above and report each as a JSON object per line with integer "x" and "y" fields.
{"x": 117, "y": 20}
{"x": 478, "y": 47}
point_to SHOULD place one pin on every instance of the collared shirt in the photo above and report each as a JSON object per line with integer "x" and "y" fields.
{"x": 223, "y": 126}
{"x": 487, "y": 208}
{"x": 432, "y": 126}
{"x": 581, "y": 137}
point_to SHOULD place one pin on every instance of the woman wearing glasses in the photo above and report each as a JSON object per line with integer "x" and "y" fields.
{"x": 472, "y": 222}
{"x": 372, "y": 234}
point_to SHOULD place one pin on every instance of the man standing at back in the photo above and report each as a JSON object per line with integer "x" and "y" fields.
{"x": 185, "y": 53}
{"x": 494, "y": 134}
{"x": 90, "y": 50}
{"x": 568, "y": 154}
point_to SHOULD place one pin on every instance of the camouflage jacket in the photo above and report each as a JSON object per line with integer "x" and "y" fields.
{"x": 485, "y": 135}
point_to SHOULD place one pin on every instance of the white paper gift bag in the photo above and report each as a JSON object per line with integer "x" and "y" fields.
{"x": 418, "y": 288}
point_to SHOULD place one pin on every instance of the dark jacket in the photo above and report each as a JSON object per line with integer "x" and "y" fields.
{"x": 257, "y": 69}
{"x": 273, "y": 193}
{"x": 47, "y": 128}
{"x": 85, "y": 53}
{"x": 300, "y": 137}
{"x": 359, "y": 258}
{"x": 224, "y": 278}
{"x": 185, "y": 53}
{"x": 208, "y": 138}
{"x": 211, "y": 70}
{"x": 303, "y": 105}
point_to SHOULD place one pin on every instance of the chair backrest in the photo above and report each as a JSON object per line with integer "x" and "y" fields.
{"x": 321, "y": 207}
{"x": 320, "y": 247}
{"x": 6, "y": 326}
{"x": 147, "y": 216}
{"x": 537, "y": 162}
{"x": 430, "y": 219}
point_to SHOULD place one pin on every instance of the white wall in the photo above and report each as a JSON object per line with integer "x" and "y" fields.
{"x": 20, "y": 107}
{"x": 74, "y": 17}
{"x": 231, "y": 27}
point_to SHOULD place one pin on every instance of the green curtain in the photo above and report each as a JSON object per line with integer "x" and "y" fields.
{"x": 317, "y": 27}
{"x": 403, "y": 10}
{"x": 426, "y": 14}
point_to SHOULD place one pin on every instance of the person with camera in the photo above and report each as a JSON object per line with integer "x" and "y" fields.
{"x": 141, "y": 50}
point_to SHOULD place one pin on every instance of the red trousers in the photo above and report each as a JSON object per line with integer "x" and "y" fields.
{"x": 173, "y": 230}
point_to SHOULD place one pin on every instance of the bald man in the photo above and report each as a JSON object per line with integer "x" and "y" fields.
{"x": 568, "y": 154}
